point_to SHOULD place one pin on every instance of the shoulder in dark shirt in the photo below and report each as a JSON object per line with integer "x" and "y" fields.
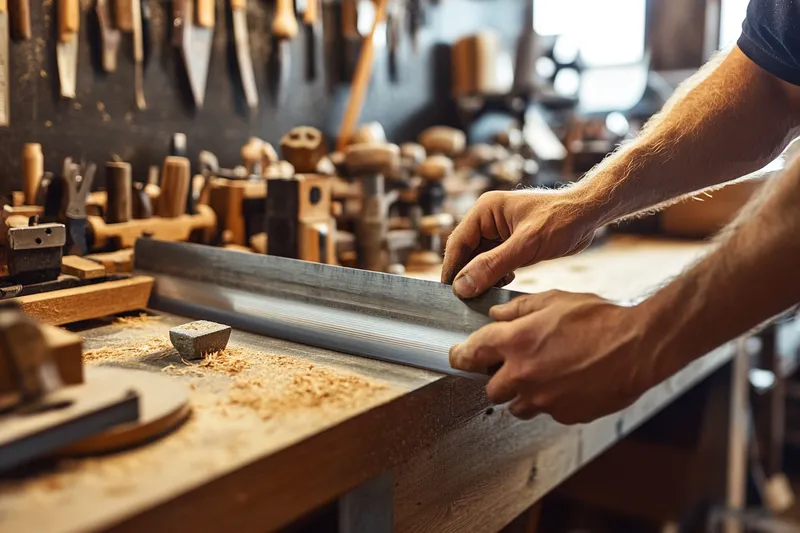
{"x": 771, "y": 37}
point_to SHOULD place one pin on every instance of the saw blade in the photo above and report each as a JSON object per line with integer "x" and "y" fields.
{"x": 241, "y": 38}
{"x": 197, "y": 44}
{"x": 5, "y": 90}
{"x": 370, "y": 314}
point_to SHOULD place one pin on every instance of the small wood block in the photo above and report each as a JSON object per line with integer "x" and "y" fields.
{"x": 119, "y": 262}
{"x": 90, "y": 301}
{"x": 197, "y": 339}
{"x": 82, "y": 268}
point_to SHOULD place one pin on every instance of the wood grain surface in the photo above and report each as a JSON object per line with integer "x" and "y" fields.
{"x": 230, "y": 468}
{"x": 90, "y": 301}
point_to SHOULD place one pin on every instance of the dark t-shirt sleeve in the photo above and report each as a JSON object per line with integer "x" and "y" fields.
{"x": 771, "y": 37}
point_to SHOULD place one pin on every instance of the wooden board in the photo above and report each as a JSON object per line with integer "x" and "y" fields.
{"x": 230, "y": 468}
{"x": 87, "y": 302}
{"x": 117, "y": 262}
{"x": 82, "y": 268}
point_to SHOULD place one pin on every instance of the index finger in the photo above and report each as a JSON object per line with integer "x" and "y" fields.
{"x": 460, "y": 248}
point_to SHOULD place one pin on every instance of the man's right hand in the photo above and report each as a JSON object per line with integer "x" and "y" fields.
{"x": 507, "y": 230}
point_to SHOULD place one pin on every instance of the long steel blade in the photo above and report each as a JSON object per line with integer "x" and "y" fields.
{"x": 5, "y": 100}
{"x": 197, "y": 43}
{"x": 392, "y": 318}
{"x": 242, "y": 40}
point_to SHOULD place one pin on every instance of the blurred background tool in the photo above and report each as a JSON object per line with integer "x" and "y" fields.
{"x": 284, "y": 29}
{"x": 241, "y": 37}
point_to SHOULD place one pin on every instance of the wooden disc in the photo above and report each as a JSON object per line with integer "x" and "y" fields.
{"x": 163, "y": 406}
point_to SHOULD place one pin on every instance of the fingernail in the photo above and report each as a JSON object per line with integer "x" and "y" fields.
{"x": 464, "y": 286}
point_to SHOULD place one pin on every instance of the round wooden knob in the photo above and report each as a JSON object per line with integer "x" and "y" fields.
{"x": 412, "y": 154}
{"x": 443, "y": 140}
{"x": 371, "y": 132}
{"x": 435, "y": 168}
{"x": 303, "y": 147}
{"x": 371, "y": 158}
{"x": 326, "y": 167}
{"x": 251, "y": 152}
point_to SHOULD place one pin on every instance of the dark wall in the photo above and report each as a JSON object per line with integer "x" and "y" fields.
{"x": 103, "y": 121}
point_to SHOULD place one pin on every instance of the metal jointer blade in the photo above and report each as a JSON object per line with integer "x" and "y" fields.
{"x": 245, "y": 61}
{"x": 196, "y": 49}
{"x": 370, "y": 314}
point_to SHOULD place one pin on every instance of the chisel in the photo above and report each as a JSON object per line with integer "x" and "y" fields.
{"x": 138, "y": 54}
{"x": 67, "y": 46}
{"x": 241, "y": 39}
{"x": 109, "y": 35}
{"x": 21, "y": 23}
{"x": 196, "y": 43}
{"x": 284, "y": 29}
{"x": 5, "y": 102}
{"x": 310, "y": 21}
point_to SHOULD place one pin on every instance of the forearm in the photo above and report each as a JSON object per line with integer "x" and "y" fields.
{"x": 750, "y": 276}
{"x": 729, "y": 119}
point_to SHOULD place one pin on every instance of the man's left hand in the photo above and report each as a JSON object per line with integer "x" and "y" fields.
{"x": 574, "y": 356}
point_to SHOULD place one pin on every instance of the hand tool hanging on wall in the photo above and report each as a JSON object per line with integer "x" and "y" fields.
{"x": 284, "y": 29}
{"x": 123, "y": 15}
{"x": 241, "y": 38}
{"x": 138, "y": 53}
{"x": 394, "y": 29}
{"x": 311, "y": 26}
{"x": 109, "y": 35}
{"x": 415, "y": 21}
{"x": 195, "y": 42}
{"x": 350, "y": 36}
{"x": 5, "y": 92}
{"x": 358, "y": 90}
{"x": 32, "y": 171}
{"x": 20, "y": 19}
{"x": 67, "y": 47}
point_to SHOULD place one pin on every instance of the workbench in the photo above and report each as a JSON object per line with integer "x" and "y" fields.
{"x": 280, "y": 430}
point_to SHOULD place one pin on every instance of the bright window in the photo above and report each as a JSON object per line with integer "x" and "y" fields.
{"x": 608, "y": 32}
{"x": 732, "y": 14}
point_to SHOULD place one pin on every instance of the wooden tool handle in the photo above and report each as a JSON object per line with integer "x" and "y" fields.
{"x": 123, "y": 15}
{"x": 3, "y": 6}
{"x": 32, "y": 170}
{"x": 312, "y": 12}
{"x": 118, "y": 185}
{"x": 69, "y": 17}
{"x": 361, "y": 79}
{"x": 205, "y": 15}
{"x": 349, "y": 18}
{"x": 284, "y": 25}
{"x": 175, "y": 180}
{"x": 21, "y": 15}
{"x": 237, "y": 5}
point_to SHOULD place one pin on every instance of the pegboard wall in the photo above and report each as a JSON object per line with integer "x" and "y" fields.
{"x": 103, "y": 122}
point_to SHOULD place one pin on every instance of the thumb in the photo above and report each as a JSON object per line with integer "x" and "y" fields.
{"x": 486, "y": 269}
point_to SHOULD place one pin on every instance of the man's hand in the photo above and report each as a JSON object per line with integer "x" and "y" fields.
{"x": 576, "y": 357}
{"x": 507, "y": 230}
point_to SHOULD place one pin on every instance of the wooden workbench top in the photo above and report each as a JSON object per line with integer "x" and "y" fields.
{"x": 279, "y": 429}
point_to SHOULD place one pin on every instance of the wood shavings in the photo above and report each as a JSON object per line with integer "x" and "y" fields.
{"x": 141, "y": 321}
{"x": 230, "y": 360}
{"x": 289, "y": 384}
{"x": 133, "y": 349}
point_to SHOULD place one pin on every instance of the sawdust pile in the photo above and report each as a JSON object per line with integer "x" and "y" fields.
{"x": 231, "y": 361}
{"x": 132, "y": 349}
{"x": 288, "y": 384}
{"x": 141, "y": 321}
